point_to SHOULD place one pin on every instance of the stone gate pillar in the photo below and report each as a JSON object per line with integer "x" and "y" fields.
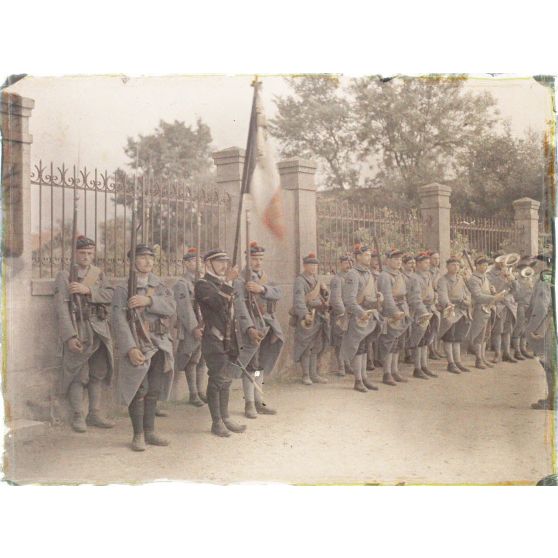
{"x": 435, "y": 214}
{"x": 526, "y": 226}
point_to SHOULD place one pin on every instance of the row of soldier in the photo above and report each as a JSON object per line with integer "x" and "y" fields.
{"x": 226, "y": 321}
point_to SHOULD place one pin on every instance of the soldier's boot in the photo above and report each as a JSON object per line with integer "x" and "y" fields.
{"x": 194, "y": 398}
{"x": 395, "y": 369}
{"x": 135, "y": 410}
{"x": 356, "y": 365}
{"x": 249, "y": 401}
{"x": 150, "y": 407}
{"x": 364, "y": 373}
{"x": 449, "y": 355}
{"x": 94, "y": 417}
{"x": 340, "y": 363}
{"x": 314, "y": 373}
{"x": 200, "y": 380}
{"x": 305, "y": 364}
{"x": 418, "y": 372}
{"x": 233, "y": 426}
{"x": 478, "y": 358}
{"x": 213, "y": 401}
{"x": 262, "y": 408}
{"x": 484, "y": 358}
{"x": 506, "y": 355}
{"x": 457, "y": 358}
{"x": 424, "y": 362}
{"x": 497, "y": 349}
{"x": 517, "y": 350}
{"x": 388, "y": 379}
{"x": 523, "y": 348}
{"x": 75, "y": 397}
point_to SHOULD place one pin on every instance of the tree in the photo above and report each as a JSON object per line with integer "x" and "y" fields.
{"x": 173, "y": 151}
{"x": 316, "y": 122}
{"x": 415, "y": 128}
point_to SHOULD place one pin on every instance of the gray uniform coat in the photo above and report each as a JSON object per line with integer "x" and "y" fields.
{"x": 479, "y": 287}
{"x": 186, "y": 320}
{"x": 339, "y": 322}
{"x": 523, "y": 298}
{"x": 96, "y": 331}
{"x": 540, "y": 328}
{"x": 393, "y": 287}
{"x": 499, "y": 283}
{"x": 355, "y": 282}
{"x": 163, "y": 306}
{"x": 316, "y": 338}
{"x": 452, "y": 290}
{"x": 270, "y": 347}
{"x": 421, "y": 299}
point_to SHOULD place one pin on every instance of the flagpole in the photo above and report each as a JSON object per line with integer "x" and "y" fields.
{"x": 246, "y": 172}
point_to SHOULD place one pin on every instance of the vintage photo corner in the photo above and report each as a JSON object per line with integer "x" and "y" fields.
{"x": 306, "y": 279}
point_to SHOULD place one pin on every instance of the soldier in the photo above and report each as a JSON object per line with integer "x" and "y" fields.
{"x": 454, "y": 301}
{"x": 146, "y": 368}
{"x": 339, "y": 321}
{"x": 373, "y": 350}
{"x": 541, "y": 332}
{"x": 266, "y": 295}
{"x": 309, "y": 315}
{"x": 502, "y": 280}
{"x": 361, "y": 300}
{"x": 227, "y": 327}
{"x": 391, "y": 283}
{"x": 483, "y": 302}
{"x": 425, "y": 316}
{"x": 436, "y": 274}
{"x": 407, "y": 269}
{"x": 523, "y": 298}
{"x": 87, "y": 354}
{"x": 190, "y": 330}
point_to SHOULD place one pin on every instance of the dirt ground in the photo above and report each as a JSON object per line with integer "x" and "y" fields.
{"x": 474, "y": 427}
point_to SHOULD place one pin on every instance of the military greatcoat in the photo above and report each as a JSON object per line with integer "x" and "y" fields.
{"x": 452, "y": 290}
{"x": 157, "y": 319}
{"x": 339, "y": 321}
{"x": 421, "y": 300}
{"x": 95, "y": 328}
{"x": 479, "y": 287}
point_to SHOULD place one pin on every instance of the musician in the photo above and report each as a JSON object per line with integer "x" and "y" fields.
{"x": 339, "y": 320}
{"x": 373, "y": 358}
{"x": 525, "y": 274}
{"x": 88, "y": 361}
{"x": 483, "y": 305}
{"x": 146, "y": 367}
{"x": 407, "y": 269}
{"x": 425, "y": 317}
{"x": 190, "y": 330}
{"x": 502, "y": 280}
{"x": 230, "y": 337}
{"x": 309, "y": 316}
{"x": 395, "y": 311}
{"x": 362, "y": 301}
{"x": 433, "y": 349}
{"x": 266, "y": 294}
{"x": 454, "y": 302}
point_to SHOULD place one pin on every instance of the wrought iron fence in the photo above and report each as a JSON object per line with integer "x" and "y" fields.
{"x": 482, "y": 235}
{"x": 168, "y": 210}
{"x": 341, "y": 224}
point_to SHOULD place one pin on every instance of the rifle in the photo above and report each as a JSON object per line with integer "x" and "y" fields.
{"x": 468, "y": 260}
{"x": 376, "y": 247}
{"x": 197, "y": 309}
{"x": 135, "y": 320}
{"x": 75, "y": 306}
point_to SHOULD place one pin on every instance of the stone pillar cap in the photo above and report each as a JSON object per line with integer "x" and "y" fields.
{"x": 526, "y": 202}
{"x": 228, "y": 153}
{"x": 297, "y": 164}
{"x": 435, "y": 188}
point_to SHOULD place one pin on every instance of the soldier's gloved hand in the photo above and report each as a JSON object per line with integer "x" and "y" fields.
{"x": 74, "y": 344}
{"x": 255, "y": 335}
{"x": 139, "y": 301}
{"x": 254, "y": 287}
{"x": 399, "y": 315}
{"x": 136, "y": 356}
{"x": 232, "y": 273}
{"x": 308, "y": 318}
{"x": 500, "y": 296}
{"x": 79, "y": 288}
{"x": 198, "y": 333}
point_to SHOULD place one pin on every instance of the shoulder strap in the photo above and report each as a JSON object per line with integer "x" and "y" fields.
{"x": 314, "y": 293}
{"x": 367, "y": 291}
{"x": 91, "y": 277}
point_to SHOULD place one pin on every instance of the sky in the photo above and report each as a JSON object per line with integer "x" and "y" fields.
{"x": 89, "y": 118}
